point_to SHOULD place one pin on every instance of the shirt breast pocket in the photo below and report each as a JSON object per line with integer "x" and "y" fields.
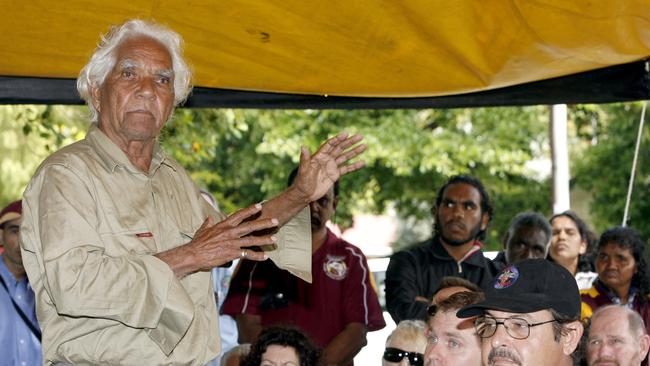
{"x": 138, "y": 240}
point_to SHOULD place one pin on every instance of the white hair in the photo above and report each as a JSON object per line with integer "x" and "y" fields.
{"x": 410, "y": 331}
{"x": 103, "y": 59}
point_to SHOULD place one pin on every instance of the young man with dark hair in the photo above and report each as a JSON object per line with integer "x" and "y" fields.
{"x": 462, "y": 213}
{"x": 452, "y": 341}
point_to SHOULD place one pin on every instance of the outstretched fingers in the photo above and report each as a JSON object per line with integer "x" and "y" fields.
{"x": 253, "y": 255}
{"x": 252, "y": 226}
{"x": 352, "y": 167}
{"x": 344, "y": 144}
{"x": 350, "y": 154}
{"x": 242, "y": 215}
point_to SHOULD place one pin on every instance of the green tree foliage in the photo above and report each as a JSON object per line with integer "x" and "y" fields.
{"x": 244, "y": 156}
{"x": 29, "y": 134}
{"x": 605, "y": 160}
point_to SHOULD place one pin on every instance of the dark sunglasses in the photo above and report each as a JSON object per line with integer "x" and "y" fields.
{"x": 396, "y": 355}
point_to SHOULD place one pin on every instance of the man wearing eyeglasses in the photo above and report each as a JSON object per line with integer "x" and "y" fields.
{"x": 452, "y": 341}
{"x": 530, "y": 317}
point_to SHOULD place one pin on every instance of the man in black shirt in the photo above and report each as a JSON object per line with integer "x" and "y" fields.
{"x": 462, "y": 213}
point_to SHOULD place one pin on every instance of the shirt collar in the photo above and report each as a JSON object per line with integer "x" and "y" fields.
{"x": 6, "y": 274}
{"x": 471, "y": 257}
{"x": 330, "y": 239}
{"x": 112, "y": 156}
{"x": 613, "y": 297}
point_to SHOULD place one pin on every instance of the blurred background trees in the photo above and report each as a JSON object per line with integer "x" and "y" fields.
{"x": 244, "y": 156}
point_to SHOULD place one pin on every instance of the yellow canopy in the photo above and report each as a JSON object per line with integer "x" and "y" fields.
{"x": 400, "y": 48}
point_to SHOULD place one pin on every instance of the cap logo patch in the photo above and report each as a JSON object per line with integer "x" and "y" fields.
{"x": 506, "y": 278}
{"x": 335, "y": 267}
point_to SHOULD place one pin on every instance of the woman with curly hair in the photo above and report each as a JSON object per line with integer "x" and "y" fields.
{"x": 280, "y": 346}
{"x": 622, "y": 274}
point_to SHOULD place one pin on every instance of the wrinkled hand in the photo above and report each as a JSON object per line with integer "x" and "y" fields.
{"x": 216, "y": 244}
{"x": 318, "y": 172}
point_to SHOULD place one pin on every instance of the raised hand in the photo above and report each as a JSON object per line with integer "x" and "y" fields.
{"x": 318, "y": 172}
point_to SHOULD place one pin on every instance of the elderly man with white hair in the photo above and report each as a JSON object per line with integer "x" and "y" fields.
{"x": 617, "y": 336}
{"x": 116, "y": 239}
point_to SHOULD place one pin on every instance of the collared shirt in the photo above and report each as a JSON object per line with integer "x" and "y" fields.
{"x": 18, "y": 345}
{"x": 227, "y": 325}
{"x": 92, "y": 223}
{"x": 342, "y": 292}
{"x": 599, "y": 295}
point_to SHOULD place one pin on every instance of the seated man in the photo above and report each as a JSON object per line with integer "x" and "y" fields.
{"x": 538, "y": 306}
{"x": 529, "y": 236}
{"x": 453, "y": 341}
{"x": 617, "y": 336}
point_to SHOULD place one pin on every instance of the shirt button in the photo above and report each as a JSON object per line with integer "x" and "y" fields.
{"x": 23, "y": 363}
{"x": 22, "y": 341}
{"x": 19, "y": 297}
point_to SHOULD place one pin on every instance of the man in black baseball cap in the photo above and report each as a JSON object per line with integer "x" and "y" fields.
{"x": 537, "y": 305}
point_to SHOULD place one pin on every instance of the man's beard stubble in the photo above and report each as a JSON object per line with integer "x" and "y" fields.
{"x": 474, "y": 233}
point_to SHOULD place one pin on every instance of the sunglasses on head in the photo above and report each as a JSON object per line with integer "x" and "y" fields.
{"x": 396, "y": 355}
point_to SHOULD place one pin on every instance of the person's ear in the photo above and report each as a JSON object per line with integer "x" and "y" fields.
{"x": 95, "y": 95}
{"x": 571, "y": 337}
{"x": 485, "y": 220}
{"x": 644, "y": 345}
{"x": 504, "y": 240}
{"x": 583, "y": 247}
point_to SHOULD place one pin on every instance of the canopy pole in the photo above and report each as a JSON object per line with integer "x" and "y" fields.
{"x": 560, "y": 158}
{"x": 633, "y": 173}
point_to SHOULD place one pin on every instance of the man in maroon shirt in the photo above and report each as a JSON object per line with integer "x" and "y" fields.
{"x": 336, "y": 310}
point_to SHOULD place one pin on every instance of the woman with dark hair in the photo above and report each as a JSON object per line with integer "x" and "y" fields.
{"x": 280, "y": 346}
{"x": 572, "y": 246}
{"x": 622, "y": 274}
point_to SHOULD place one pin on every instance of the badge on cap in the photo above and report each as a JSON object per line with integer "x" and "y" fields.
{"x": 335, "y": 267}
{"x": 506, "y": 278}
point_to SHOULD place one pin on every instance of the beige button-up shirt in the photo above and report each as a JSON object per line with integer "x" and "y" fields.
{"x": 92, "y": 223}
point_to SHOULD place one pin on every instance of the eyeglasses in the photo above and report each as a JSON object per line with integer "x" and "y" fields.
{"x": 517, "y": 328}
{"x": 396, "y": 355}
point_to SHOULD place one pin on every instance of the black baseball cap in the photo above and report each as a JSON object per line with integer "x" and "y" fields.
{"x": 528, "y": 286}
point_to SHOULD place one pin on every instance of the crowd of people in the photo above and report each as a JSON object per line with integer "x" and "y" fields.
{"x": 543, "y": 288}
{"x": 122, "y": 259}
